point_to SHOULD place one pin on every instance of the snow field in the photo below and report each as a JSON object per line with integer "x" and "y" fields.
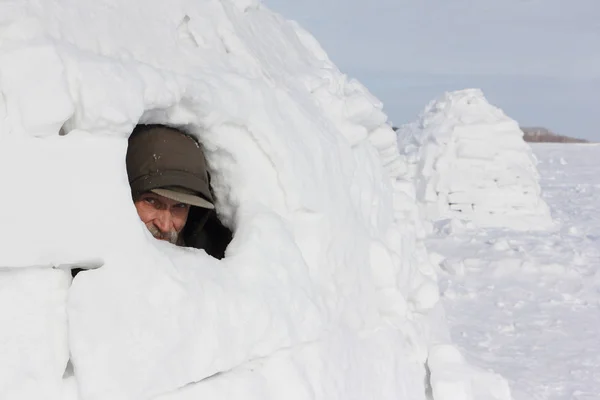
{"x": 470, "y": 162}
{"x": 526, "y": 303}
{"x": 326, "y": 291}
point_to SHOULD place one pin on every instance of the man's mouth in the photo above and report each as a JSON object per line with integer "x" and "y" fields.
{"x": 170, "y": 236}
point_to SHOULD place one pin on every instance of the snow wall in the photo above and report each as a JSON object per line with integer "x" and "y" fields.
{"x": 469, "y": 162}
{"x": 325, "y": 291}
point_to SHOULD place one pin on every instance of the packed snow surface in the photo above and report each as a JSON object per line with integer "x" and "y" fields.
{"x": 470, "y": 162}
{"x": 528, "y": 304}
{"x": 325, "y": 292}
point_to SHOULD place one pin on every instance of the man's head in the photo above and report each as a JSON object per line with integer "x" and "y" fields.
{"x": 167, "y": 174}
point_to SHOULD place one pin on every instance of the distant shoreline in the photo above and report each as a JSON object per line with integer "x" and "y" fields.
{"x": 543, "y": 135}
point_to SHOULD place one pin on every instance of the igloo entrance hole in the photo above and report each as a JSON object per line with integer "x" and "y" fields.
{"x": 203, "y": 230}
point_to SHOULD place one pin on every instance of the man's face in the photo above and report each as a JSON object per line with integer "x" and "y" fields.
{"x": 164, "y": 218}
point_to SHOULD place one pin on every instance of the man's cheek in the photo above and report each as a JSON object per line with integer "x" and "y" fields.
{"x": 179, "y": 225}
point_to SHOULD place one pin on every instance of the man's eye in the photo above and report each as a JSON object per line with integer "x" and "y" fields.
{"x": 181, "y": 205}
{"x": 150, "y": 200}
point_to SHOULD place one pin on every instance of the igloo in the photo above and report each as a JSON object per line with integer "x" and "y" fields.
{"x": 325, "y": 291}
{"x": 469, "y": 162}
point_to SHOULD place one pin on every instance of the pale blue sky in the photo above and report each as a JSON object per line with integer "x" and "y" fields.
{"x": 539, "y": 60}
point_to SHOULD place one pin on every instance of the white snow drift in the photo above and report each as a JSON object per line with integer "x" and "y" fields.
{"x": 325, "y": 291}
{"x": 469, "y": 162}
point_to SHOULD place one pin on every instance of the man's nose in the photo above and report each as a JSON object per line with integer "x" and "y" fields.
{"x": 164, "y": 221}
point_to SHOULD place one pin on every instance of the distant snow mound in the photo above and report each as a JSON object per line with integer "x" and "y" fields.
{"x": 469, "y": 161}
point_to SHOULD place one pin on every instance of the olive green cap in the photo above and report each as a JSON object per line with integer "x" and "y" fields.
{"x": 168, "y": 162}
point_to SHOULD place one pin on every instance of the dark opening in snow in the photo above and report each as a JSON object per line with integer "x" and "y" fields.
{"x": 203, "y": 229}
{"x": 213, "y": 237}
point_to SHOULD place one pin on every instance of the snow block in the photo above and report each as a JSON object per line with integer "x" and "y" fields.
{"x": 37, "y": 99}
{"x": 33, "y": 340}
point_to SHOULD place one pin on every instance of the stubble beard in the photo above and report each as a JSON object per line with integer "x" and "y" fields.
{"x": 170, "y": 236}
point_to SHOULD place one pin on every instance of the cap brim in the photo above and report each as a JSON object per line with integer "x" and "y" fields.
{"x": 170, "y": 180}
{"x": 186, "y": 198}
